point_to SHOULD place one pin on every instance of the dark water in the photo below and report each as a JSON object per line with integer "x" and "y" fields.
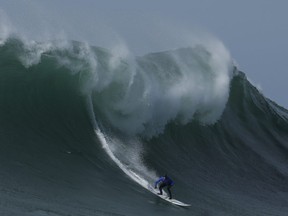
{"x": 213, "y": 133}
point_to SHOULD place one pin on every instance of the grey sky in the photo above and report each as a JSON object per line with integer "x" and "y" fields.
{"x": 254, "y": 31}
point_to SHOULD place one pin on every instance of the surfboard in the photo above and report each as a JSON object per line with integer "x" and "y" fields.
{"x": 165, "y": 197}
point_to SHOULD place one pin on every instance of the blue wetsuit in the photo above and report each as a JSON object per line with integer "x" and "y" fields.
{"x": 165, "y": 181}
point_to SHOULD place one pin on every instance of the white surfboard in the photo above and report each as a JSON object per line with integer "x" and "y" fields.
{"x": 165, "y": 197}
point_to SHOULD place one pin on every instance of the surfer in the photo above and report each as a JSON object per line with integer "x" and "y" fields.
{"x": 164, "y": 181}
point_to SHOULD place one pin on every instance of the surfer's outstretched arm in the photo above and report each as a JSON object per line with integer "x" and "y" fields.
{"x": 158, "y": 181}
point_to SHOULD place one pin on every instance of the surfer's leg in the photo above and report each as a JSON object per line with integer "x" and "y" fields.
{"x": 169, "y": 191}
{"x": 160, "y": 187}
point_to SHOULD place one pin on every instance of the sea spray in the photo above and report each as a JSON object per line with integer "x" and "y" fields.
{"x": 5, "y": 27}
{"x": 182, "y": 85}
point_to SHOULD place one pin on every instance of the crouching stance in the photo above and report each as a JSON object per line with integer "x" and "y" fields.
{"x": 164, "y": 181}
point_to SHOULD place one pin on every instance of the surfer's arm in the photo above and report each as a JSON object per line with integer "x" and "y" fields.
{"x": 158, "y": 181}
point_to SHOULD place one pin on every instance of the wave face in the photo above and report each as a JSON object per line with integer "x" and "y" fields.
{"x": 85, "y": 131}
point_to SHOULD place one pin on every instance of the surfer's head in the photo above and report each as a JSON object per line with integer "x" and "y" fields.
{"x": 165, "y": 175}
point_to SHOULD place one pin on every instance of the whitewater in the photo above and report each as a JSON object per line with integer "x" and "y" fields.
{"x": 87, "y": 130}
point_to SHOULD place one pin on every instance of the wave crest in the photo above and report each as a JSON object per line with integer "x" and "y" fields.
{"x": 145, "y": 94}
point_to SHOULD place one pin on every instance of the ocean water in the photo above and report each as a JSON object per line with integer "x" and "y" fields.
{"x": 85, "y": 131}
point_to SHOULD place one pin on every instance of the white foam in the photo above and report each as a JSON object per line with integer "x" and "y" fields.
{"x": 196, "y": 85}
{"x": 33, "y": 52}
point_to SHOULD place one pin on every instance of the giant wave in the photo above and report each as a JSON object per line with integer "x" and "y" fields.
{"x": 84, "y": 130}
